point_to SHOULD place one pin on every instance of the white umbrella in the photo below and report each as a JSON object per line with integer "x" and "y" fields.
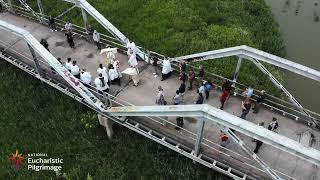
{"x": 130, "y": 71}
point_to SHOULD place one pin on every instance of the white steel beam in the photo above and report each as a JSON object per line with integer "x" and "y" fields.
{"x": 224, "y": 119}
{"x": 249, "y": 52}
{"x": 54, "y": 63}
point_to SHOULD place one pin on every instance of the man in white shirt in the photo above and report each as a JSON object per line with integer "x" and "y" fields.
{"x": 114, "y": 76}
{"x": 75, "y": 70}
{"x": 104, "y": 71}
{"x": 85, "y": 77}
{"x": 166, "y": 69}
{"x": 101, "y": 85}
{"x": 68, "y": 64}
{"x": 96, "y": 39}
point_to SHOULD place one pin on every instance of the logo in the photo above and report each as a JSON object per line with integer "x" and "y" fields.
{"x": 16, "y": 159}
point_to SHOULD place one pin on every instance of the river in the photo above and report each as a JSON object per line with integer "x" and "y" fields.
{"x": 300, "y": 27}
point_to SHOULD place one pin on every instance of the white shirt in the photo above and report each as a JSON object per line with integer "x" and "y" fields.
{"x": 96, "y": 36}
{"x": 68, "y": 65}
{"x": 113, "y": 74}
{"x": 68, "y": 26}
{"x": 104, "y": 73}
{"x": 202, "y": 89}
{"x": 75, "y": 70}
{"x": 86, "y": 77}
{"x": 166, "y": 67}
{"x": 133, "y": 60}
{"x": 98, "y": 83}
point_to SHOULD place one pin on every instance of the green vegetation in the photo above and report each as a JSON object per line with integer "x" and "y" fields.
{"x": 36, "y": 118}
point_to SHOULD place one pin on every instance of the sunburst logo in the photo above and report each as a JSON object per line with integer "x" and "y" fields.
{"x": 16, "y": 159}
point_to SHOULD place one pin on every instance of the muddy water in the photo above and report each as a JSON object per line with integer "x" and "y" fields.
{"x": 300, "y": 26}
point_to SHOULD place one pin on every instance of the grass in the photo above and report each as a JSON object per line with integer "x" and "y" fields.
{"x": 36, "y": 118}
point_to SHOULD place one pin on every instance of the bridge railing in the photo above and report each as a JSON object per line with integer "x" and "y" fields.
{"x": 271, "y": 102}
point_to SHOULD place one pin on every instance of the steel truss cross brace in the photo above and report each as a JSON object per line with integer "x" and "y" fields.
{"x": 35, "y": 46}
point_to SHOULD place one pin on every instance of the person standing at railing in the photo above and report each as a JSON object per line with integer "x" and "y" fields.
{"x": 191, "y": 77}
{"x": 70, "y": 39}
{"x": 200, "y": 76}
{"x": 52, "y": 24}
{"x": 248, "y": 92}
{"x": 68, "y": 27}
{"x": 259, "y": 101}
{"x": 96, "y": 39}
{"x": 183, "y": 67}
{"x": 90, "y": 31}
{"x": 85, "y": 77}
{"x": 133, "y": 59}
{"x": 166, "y": 69}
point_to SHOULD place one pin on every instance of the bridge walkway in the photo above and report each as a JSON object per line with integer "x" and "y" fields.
{"x": 88, "y": 57}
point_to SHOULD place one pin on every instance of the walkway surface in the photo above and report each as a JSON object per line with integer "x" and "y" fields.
{"x": 88, "y": 57}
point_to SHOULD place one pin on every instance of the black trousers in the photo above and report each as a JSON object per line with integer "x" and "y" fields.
{"x": 98, "y": 45}
{"x": 258, "y": 145}
{"x": 207, "y": 94}
{"x": 180, "y": 121}
{"x": 165, "y": 76}
{"x": 77, "y": 76}
{"x": 116, "y": 80}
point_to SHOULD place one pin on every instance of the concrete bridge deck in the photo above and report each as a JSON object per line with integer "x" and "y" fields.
{"x": 88, "y": 57}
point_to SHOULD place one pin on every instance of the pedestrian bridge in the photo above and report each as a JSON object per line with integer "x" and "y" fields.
{"x": 292, "y": 152}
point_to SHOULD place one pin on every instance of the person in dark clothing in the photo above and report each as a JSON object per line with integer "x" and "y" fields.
{"x": 226, "y": 86}
{"x": 183, "y": 77}
{"x": 179, "y": 123}
{"x": 259, "y": 102}
{"x": 258, "y": 143}
{"x": 52, "y": 24}
{"x": 191, "y": 77}
{"x": 182, "y": 90}
{"x": 70, "y": 39}
{"x": 90, "y": 31}
{"x": 200, "y": 98}
{"x": 273, "y": 124}
{"x": 246, "y": 106}
{"x": 200, "y": 75}
{"x": 208, "y": 86}
{"x": 45, "y": 44}
{"x": 183, "y": 67}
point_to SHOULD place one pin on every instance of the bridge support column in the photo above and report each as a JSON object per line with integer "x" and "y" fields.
{"x": 39, "y": 2}
{"x": 36, "y": 62}
{"x": 85, "y": 18}
{"x": 236, "y": 73}
{"x": 200, "y": 125}
{"x": 107, "y": 123}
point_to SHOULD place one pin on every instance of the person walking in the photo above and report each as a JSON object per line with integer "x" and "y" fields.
{"x": 273, "y": 124}
{"x": 101, "y": 85}
{"x": 177, "y": 98}
{"x": 166, "y": 69}
{"x": 259, "y": 101}
{"x": 223, "y": 98}
{"x": 199, "y": 98}
{"x": 258, "y": 142}
{"x": 68, "y": 64}
{"x": 96, "y": 39}
{"x": 75, "y": 70}
{"x": 85, "y": 77}
{"x": 68, "y": 27}
{"x": 182, "y": 90}
{"x": 52, "y": 24}
{"x": 45, "y": 44}
{"x": 70, "y": 39}
{"x": 246, "y": 106}
{"x": 191, "y": 77}
{"x": 224, "y": 139}
{"x": 160, "y": 99}
{"x": 105, "y": 73}
{"x": 179, "y": 123}
{"x": 114, "y": 76}
{"x": 208, "y": 86}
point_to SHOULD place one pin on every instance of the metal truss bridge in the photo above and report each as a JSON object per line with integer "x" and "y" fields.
{"x": 290, "y": 153}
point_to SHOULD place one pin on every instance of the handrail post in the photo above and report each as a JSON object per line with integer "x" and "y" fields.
{"x": 236, "y": 74}
{"x": 200, "y": 125}
{"x": 85, "y": 19}
{"x": 36, "y": 62}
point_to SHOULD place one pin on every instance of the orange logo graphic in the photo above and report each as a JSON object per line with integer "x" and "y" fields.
{"x": 16, "y": 159}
